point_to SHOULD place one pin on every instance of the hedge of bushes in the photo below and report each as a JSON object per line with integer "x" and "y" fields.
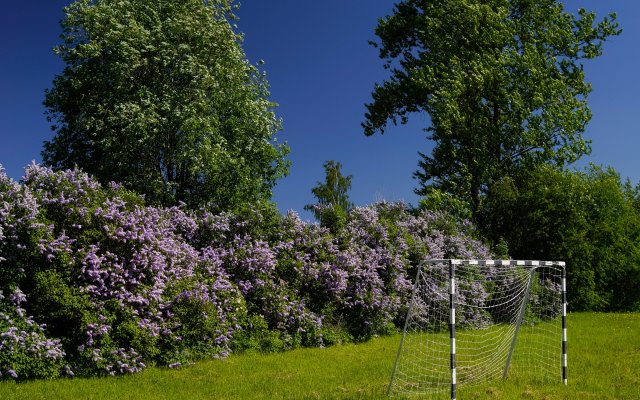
{"x": 93, "y": 282}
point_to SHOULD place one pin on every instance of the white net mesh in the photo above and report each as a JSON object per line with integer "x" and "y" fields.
{"x": 507, "y": 324}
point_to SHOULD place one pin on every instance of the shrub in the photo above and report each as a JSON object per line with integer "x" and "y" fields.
{"x": 112, "y": 278}
{"x": 25, "y": 350}
{"x": 121, "y": 285}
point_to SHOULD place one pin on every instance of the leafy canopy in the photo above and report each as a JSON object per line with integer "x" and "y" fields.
{"x": 332, "y": 195}
{"x": 501, "y": 80}
{"x": 588, "y": 218}
{"x": 159, "y": 95}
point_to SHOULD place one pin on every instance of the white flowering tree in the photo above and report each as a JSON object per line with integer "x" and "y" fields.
{"x": 159, "y": 95}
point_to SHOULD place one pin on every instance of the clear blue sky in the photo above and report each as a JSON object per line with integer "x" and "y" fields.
{"x": 321, "y": 71}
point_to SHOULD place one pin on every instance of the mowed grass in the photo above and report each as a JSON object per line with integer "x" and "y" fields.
{"x": 604, "y": 363}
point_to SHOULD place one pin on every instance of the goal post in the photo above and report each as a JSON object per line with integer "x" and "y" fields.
{"x": 470, "y": 321}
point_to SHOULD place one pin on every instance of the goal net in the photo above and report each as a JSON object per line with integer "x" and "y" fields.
{"x": 471, "y": 321}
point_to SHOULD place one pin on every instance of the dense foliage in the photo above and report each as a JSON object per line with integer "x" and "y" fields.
{"x": 332, "y": 197}
{"x": 589, "y": 219}
{"x": 159, "y": 95}
{"x": 501, "y": 80}
{"x": 94, "y": 282}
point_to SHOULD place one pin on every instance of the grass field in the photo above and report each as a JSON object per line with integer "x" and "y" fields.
{"x": 603, "y": 351}
{"x": 424, "y": 365}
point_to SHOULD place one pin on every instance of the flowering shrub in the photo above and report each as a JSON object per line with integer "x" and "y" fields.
{"x": 116, "y": 286}
{"x": 385, "y": 244}
{"x": 117, "y": 282}
{"x": 25, "y": 350}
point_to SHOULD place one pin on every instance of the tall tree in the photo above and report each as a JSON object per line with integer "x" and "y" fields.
{"x": 332, "y": 195}
{"x": 502, "y": 81}
{"x": 159, "y": 95}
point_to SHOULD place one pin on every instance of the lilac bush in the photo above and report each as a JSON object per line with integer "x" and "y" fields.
{"x": 272, "y": 271}
{"x": 25, "y": 350}
{"x": 375, "y": 260}
{"x": 391, "y": 243}
{"x": 18, "y": 228}
{"x": 117, "y": 281}
{"x": 116, "y": 286}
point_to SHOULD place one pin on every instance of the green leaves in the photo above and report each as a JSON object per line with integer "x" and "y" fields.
{"x": 159, "y": 95}
{"x": 333, "y": 198}
{"x": 501, "y": 81}
{"x": 587, "y": 218}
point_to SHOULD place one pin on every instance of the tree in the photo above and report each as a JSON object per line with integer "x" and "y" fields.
{"x": 501, "y": 80}
{"x": 333, "y": 200}
{"x": 588, "y": 219}
{"x": 159, "y": 95}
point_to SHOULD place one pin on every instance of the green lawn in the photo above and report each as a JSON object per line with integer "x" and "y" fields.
{"x": 604, "y": 363}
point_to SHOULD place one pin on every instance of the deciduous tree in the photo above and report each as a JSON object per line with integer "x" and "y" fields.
{"x": 587, "y": 218}
{"x": 501, "y": 80}
{"x": 159, "y": 95}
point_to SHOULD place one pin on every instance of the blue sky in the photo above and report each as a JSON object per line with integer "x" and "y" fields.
{"x": 321, "y": 71}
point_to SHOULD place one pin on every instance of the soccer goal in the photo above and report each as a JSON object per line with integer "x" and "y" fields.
{"x": 470, "y": 321}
